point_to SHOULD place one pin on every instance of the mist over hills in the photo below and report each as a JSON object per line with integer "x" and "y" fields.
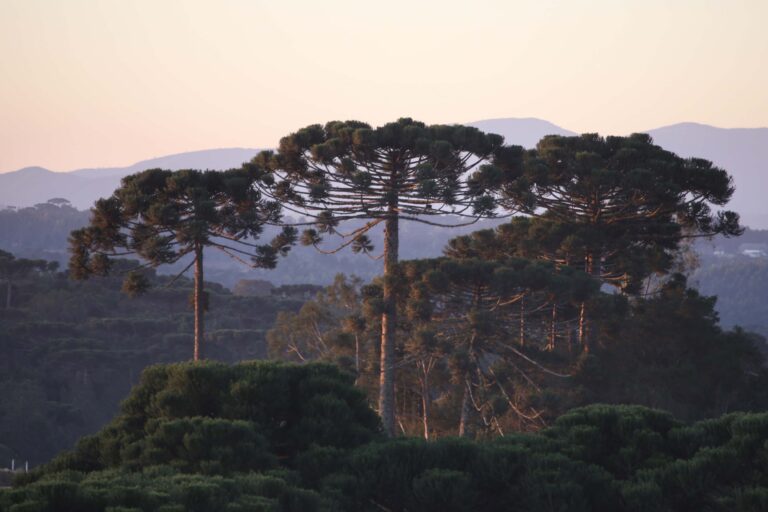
{"x": 741, "y": 151}
{"x": 32, "y": 185}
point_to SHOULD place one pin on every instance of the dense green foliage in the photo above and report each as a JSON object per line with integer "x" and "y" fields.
{"x": 300, "y": 438}
{"x": 405, "y": 169}
{"x": 400, "y": 171}
{"x": 665, "y": 351}
{"x": 72, "y": 350}
{"x": 618, "y": 205}
{"x": 670, "y": 353}
{"x": 217, "y": 418}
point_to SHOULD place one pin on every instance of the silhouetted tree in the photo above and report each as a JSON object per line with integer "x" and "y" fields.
{"x": 404, "y": 170}
{"x": 163, "y": 216}
{"x": 619, "y": 206}
{"x": 468, "y": 310}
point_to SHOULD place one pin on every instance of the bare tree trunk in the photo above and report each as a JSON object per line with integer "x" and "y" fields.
{"x": 389, "y": 325}
{"x": 199, "y": 304}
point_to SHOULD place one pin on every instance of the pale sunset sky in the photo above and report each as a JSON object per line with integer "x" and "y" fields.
{"x": 95, "y": 83}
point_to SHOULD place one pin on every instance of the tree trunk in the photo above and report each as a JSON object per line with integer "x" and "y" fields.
{"x": 592, "y": 267}
{"x": 425, "y": 400}
{"x": 522, "y": 321}
{"x": 389, "y": 325}
{"x": 357, "y": 358}
{"x": 553, "y": 328}
{"x": 199, "y": 304}
{"x": 8, "y": 292}
{"x": 583, "y": 340}
{"x": 466, "y": 409}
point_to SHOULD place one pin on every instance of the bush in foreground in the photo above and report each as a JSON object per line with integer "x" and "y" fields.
{"x": 275, "y": 437}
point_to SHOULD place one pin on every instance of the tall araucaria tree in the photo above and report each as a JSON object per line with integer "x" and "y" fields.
{"x": 162, "y": 216}
{"x": 619, "y": 206}
{"x": 402, "y": 171}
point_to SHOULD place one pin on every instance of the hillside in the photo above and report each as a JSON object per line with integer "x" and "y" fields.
{"x": 72, "y": 350}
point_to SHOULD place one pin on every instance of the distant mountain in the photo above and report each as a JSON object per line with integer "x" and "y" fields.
{"x": 217, "y": 159}
{"x": 741, "y": 151}
{"x": 525, "y": 131}
{"x": 82, "y": 187}
{"x": 33, "y": 185}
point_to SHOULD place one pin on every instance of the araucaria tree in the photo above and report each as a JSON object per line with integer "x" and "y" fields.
{"x": 619, "y": 206}
{"x": 473, "y": 304}
{"x": 404, "y": 170}
{"x": 162, "y": 216}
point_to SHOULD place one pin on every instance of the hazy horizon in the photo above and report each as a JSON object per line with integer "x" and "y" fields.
{"x": 134, "y": 161}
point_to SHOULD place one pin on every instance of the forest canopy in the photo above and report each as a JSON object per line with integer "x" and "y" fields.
{"x": 277, "y": 437}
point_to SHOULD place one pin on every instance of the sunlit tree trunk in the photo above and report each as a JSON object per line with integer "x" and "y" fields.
{"x": 199, "y": 304}
{"x": 591, "y": 267}
{"x": 425, "y": 398}
{"x": 389, "y": 324}
{"x": 553, "y": 328}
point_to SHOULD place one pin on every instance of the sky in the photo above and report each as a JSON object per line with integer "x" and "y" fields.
{"x": 96, "y": 83}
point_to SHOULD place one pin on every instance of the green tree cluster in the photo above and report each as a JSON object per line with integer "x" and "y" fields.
{"x": 401, "y": 171}
{"x": 616, "y": 207}
{"x": 506, "y": 306}
{"x": 281, "y": 437}
{"x": 471, "y": 361}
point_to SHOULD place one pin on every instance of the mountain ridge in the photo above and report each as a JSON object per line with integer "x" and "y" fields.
{"x": 741, "y": 151}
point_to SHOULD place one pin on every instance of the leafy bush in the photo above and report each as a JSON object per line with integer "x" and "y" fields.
{"x": 216, "y": 419}
{"x": 281, "y": 437}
